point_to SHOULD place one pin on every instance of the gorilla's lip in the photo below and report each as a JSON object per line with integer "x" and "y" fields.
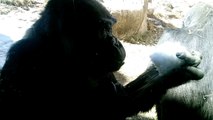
{"x": 116, "y": 65}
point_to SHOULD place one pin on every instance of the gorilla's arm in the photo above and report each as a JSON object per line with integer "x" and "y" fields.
{"x": 168, "y": 69}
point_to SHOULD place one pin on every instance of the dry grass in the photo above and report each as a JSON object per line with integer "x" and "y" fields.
{"x": 128, "y": 25}
{"x": 128, "y": 28}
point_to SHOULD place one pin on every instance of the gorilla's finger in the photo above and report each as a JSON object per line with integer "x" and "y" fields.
{"x": 194, "y": 73}
{"x": 192, "y": 59}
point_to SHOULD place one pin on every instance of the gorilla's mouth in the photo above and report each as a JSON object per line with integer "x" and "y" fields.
{"x": 116, "y": 65}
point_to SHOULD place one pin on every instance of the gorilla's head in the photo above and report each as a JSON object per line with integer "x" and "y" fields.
{"x": 84, "y": 27}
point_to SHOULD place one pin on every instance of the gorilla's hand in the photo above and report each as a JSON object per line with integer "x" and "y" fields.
{"x": 172, "y": 65}
{"x": 175, "y": 62}
{"x": 190, "y": 69}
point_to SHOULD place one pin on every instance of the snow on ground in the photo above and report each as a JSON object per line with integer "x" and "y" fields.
{"x": 15, "y": 23}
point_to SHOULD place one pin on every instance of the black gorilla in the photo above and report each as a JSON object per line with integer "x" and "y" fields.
{"x": 63, "y": 67}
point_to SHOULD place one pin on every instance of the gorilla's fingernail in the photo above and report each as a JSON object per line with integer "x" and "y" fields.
{"x": 180, "y": 55}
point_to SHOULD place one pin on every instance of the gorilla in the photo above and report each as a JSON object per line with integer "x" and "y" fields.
{"x": 194, "y": 100}
{"x": 63, "y": 67}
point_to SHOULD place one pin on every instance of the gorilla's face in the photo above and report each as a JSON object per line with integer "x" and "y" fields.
{"x": 105, "y": 51}
{"x": 86, "y": 31}
{"x": 109, "y": 52}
